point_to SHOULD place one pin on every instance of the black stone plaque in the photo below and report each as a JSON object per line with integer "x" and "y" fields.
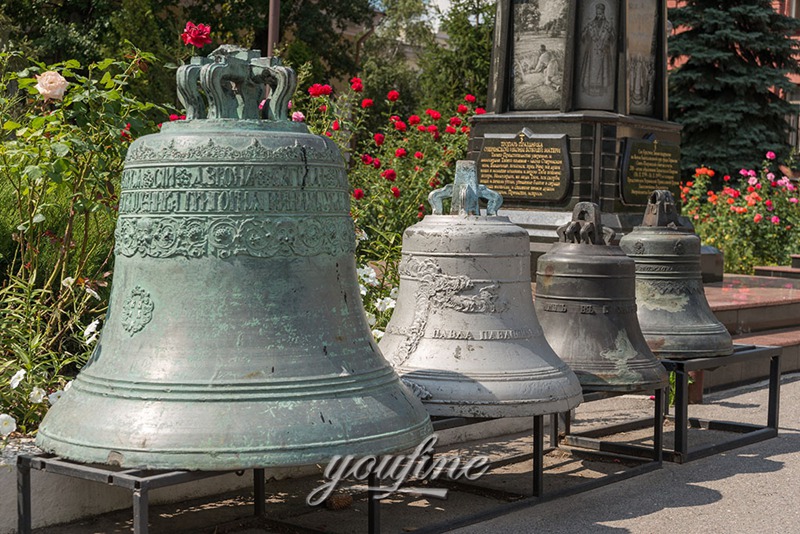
{"x": 596, "y": 61}
{"x": 642, "y": 23}
{"x": 525, "y": 167}
{"x": 647, "y": 166}
{"x": 539, "y": 38}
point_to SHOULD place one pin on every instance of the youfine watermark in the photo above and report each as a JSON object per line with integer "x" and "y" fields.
{"x": 392, "y": 471}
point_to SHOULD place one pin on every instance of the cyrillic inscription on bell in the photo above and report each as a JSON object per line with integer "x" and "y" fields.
{"x": 235, "y": 335}
{"x": 586, "y": 304}
{"x": 464, "y": 334}
{"x": 674, "y": 314}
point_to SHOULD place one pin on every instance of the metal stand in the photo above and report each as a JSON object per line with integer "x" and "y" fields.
{"x": 138, "y": 481}
{"x": 748, "y": 433}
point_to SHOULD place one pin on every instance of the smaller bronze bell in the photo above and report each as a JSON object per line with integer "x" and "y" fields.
{"x": 586, "y": 304}
{"x": 464, "y": 335}
{"x": 674, "y": 314}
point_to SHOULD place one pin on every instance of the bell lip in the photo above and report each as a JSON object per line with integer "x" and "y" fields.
{"x": 677, "y": 354}
{"x": 214, "y": 460}
{"x": 500, "y": 409}
{"x": 622, "y": 387}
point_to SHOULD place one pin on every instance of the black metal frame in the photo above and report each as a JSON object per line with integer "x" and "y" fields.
{"x": 748, "y": 433}
{"x": 539, "y": 450}
{"x": 138, "y": 481}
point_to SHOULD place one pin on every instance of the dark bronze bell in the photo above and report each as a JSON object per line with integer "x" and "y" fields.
{"x": 235, "y": 335}
{"x": 464, "y": 334}
{"x": 674, "y": 314}
{"x": 586, "y": 304}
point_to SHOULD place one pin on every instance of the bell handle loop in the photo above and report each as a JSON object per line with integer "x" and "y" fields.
{"x": 188, "y": 77}
{"x": 282, "y": 82}
{"x": 661, "y": 211}
{"x": 493, "y": 199}
{"x": 436, "y": 196}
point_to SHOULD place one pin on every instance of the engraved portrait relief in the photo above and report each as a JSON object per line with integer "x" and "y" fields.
{"x": 539, "y": 30}
{"x": 596, "y": 65}
{"x": 642, "y": 23}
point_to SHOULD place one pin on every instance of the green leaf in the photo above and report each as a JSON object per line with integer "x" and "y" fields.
{"x": 60, "y": 149}
{"x": 11, "y": 125}
{"x": 33, "y": 172}
{"x": 107, "y": 81}
{"x": 103, "y": 65}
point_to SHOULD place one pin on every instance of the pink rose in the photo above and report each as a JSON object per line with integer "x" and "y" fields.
{"x": 51, "y": 85}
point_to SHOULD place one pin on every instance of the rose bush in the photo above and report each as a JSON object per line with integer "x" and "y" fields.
{"x": 64, "y": 133}
{"x": 391, "y": 173}
{"x": 752, "y": 217}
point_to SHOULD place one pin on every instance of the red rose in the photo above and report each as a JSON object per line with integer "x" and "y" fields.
{"x": 125, "y": 133}
{"x": 465, "y": 129}
{"x": 356, "y": 85}
{"x": 421, "y": 127}
{"x": 174, "y": 117}
{"x": 392, "y": 96}
{"x": 419, "y": 155}
{"x": 379, "y": 138}
{"x": 400, "y": 152}
{"x": 463, "y": 108}
{"x": 455, "y": 121}
{"x": 394, "y": 118}
{"x": 400, "y": 126}
{"x": 432, "y": 113}
{"x": 366, "y": 159}
{"x": 479, "y": 111}
{"x": 395, "y": 191}
{"x": 470, "y": 99}
{"x": 389, "y": 174}
{"x": 329, "y": 134}
{"x": 376, "y": 163}
{"x": 335, "y": 125}
{"x": 317, "y": 90}
{"x": 433, "y": 128}
{"x": 366, "y": 103}
{"x": 358, "y": 194}
{"x": 450, "y": 129}
{"x": 414, "y": 119}
{"x": 198, "y": 36}
{"x": 323, "y": 108}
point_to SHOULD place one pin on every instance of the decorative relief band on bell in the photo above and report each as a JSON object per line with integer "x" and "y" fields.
{"x": 212, "y": 151}
{"x": 255, "y": 175}
{"x": 476, "y": 335}
{"x": 244, "y": 201}
{"x": 222, "y": 237}
{"x": 137, "y": 310}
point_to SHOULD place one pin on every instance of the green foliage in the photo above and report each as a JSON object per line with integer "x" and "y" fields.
{"x": 391, "y": 176}
{"x": 462, "y": 64}
{"x": 726, "y": 95}
{"x": 753, "y": 218}
{"x": 60, "y": 165}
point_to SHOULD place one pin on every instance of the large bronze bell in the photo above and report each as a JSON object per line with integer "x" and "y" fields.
{"x": 674, "y": 314}
{"x": 235, "y": 335}
{"x": 464, "y": 334}
{"x": 586, "y": 304}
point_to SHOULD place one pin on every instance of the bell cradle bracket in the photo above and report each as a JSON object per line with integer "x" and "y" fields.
{"x": 233, "y": 80}
{"x": 585, "y": 227}
{"x": 465, "y": 192}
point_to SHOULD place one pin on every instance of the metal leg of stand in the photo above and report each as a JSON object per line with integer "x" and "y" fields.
{"x": 538, "y": 454}
{"x": 259, "y": 492}
{"x": 658, "y": 428}
{"x": 141, "y": 503}
{"x": 681, "y": 412}
{"x": 554, "y": 430}
{"x": 774, "y": 391}
{"x": 373, "y": 505}
{"x": 23, "y": 498}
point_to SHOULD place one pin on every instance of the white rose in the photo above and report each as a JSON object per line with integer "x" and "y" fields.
{"x": 51, "y": 85}
{"x": 7, "y": 424}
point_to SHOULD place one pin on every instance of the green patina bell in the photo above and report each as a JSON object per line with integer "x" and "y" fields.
{"x": 235, "y": 335}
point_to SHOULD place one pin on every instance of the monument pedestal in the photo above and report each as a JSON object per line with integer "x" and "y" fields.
{"x": 543, "y": 163}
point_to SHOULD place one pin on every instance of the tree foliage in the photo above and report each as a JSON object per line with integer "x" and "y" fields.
{"x": 727, "y": 94}
{"x": 461, "y": 65}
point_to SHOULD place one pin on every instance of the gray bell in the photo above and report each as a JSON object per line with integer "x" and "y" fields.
{"x": 464, "y": 334}
{"x": 674, "y": 315}
{"x": 586, "y": 304}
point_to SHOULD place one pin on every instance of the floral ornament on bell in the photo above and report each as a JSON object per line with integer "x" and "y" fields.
{"x": 51, "y": 85}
